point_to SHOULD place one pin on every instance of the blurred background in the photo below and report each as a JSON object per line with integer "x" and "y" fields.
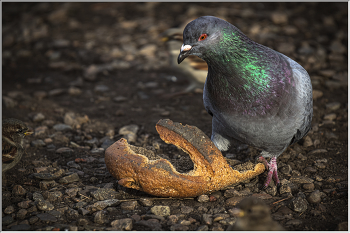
{"x": 72, "y": 35}
{"x": 56, "y": 48}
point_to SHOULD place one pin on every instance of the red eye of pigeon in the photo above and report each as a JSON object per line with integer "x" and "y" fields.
{"x": 203, "y": 37}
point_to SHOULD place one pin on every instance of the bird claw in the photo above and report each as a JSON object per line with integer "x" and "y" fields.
{"x": 272, "y": 171}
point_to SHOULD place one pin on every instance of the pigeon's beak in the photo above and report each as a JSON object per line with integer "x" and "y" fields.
{"x": 184, "y": 52}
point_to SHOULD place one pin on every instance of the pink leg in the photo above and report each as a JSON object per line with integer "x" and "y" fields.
{"x": 272, "y": 171}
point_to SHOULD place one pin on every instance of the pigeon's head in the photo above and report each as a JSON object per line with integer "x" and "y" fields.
{"x": 200, "y": 35}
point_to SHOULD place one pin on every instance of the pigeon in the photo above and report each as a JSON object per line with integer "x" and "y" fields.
{"x": 255, "y": 95}
{"x": 13, "y": 133}
{"x": 194, "y": 68}
{"x": 253, "y": 215}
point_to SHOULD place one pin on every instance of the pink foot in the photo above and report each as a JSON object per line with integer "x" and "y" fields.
{"x": 272, "y": 171}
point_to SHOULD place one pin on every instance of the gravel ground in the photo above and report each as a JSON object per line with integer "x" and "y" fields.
{"x": 78, "y": 73}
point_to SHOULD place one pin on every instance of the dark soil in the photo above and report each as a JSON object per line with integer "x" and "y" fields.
{"x": 48, "y": 48}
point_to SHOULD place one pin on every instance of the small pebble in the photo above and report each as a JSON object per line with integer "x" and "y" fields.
{"x": 330, "y": 116}
{"x": 33, "y": 220}
{"x": 152, "y": 224}
{"x": 301, "y": 157}
{"x": 295, "y": 222}
{"x": 272, "y": 190}
{"x": 41, "y": 130}
{"x": 46, "y": 217}
{"x": 18, "y": 190}
{"x": 56, "y": 92}
{"x": 203, "y": 198}
{"x": 83, "y": 211}
{"x": 207, "y": 219}
{"x": 327, "y": 73}
{"x": 62, "y": 127}
{"x": 203, "y": 228}
{"x": 343, "y": 226}
{"x": 331, "y": 135}
{"x": 307, "y": 141}
{"x": 179, "y": 227}
{"x": 104, "y": 194}
{"x": 48, "y": 141}
{"x": 217, "y": 228}
{"x": 279, "y": 17}
{"x": 53, "y": 196}
{"x": 286, "y": 170}
{"x": 55, "y": 213}
{"x": 152, "y": 216}
{"x": 172, "y": 219}
{"x": 301, "y": 180}
{"x": 186, "y": 209}
{"x": 69, "y": 179}
{"x": 38, "y": 117}
{"x": 296, "y": 173}
{"x": 97, "y": 150}
{"x": 331, "y": 180}
{"x": 317, "y": 151}
{"x": 298, "y": 204}
{"x": 37, "y": 143}
{"x": 8, "y": 219}
{"x": 101, "y": 88}
{"x": 73, "y": 165}
{"x": 314, "y": 197}
{"x": 124, "y": 224}
{"x": 120, "y": 98}
{"x": 333, "y": 106}
{"x": 44, "y": 205}
{"x": 73, "y": 228}
{"x": 32, "y": 209}
{"x": 74, "y": 91}
{"x": 40, "y": 94}
{"x": 9, "y": 209}
{"x": 230, "y": 193}
{"x": 8, "y": 102}
{"x": 21, "y": 214}
{"x": 82, "y": 222}
{"x": 100, "y": 217}
{"x": 71, "y": 214}
{"x": 324, "y": 160}
{"x": 320, "y": 165}
{"x": 285, "y": 189}
{"x": 20, "y": 227}
{"x": 316, "y": 94}
{"x": 161, "y": 210}
{"x": 317, "y": 142}
{"x": 128, "y": 205}
{"x": 309, "y": 186}
{"x": 219, "y": 217}
{"x": 100, "y": 205}
{"x": 310, "y": 169}
{"x": 64, "y": 150}
{"x": 318, "y": 178}
{"x": 146, "y": 202}
{"x": 45, "y": 185}
{"x": 136, "y": 217}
